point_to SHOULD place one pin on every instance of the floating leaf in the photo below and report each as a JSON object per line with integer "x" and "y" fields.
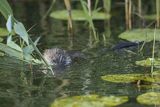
{"x": 128, "y": 78}
{"x": 138, "y": 35}
{"x": 21, "y": 31}
{"x": 122, "y": 78}
{"x": 78, "y": 15}
{"x": 148, "y": 62}
{"x": 5, "y": 9}
{"x": 89, "y": 101}
{"x": 150, "y": 17}
{"x": 150, "y": 98}
{"x": 3, "y": 32}
{"x": 9, "y": 24}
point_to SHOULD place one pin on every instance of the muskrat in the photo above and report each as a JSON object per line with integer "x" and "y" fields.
{"x": 57, "y": 57}
{"x": 60, "y": 58}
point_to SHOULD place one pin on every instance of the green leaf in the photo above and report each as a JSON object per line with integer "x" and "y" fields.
{"x": 128, "y": 78}
{"x": 3, "y": 32}
{"x": 79, "y": 15}
{"x": 29, "y": 49}
{"x": 21, "y": 31}
{"x": 138, "y": 35}
{"x": 11, "y": 52}
{"x": 90, "y": 101}
{"x": 18, "y": 54}
{"x": 5, "y": 9}
{"x": 1, "y": 53}
{"x": 149, "y": 98}
{"x": 12, "y": 44}
{"x": 28, "y": 57}
{"x": 36, "y": 41}
{"x": 1, "y": 39}
{"x": 148, "y": 62}
{"x": 9, "y": 24}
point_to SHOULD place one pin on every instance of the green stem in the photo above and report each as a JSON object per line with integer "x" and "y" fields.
{"x": 39, "y": 53}
{"x": 152, "y": 61}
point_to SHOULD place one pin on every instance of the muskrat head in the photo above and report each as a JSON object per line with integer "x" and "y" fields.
{"x": 57, "y": 57}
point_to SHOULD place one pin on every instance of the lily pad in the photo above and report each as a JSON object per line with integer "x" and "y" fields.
{"x": 89, "y": 101}
{"x": 3, "y": 32}
{"x": 79, "y": 15}
{"x": 128, "y": 78}
{"x": 150, "y": 98}
{"x": 150, "y": 17}
{"x": 138, "y": 35}
{"x": 148, "y": 62}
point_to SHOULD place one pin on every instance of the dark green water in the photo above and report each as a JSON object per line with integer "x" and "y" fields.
{"x": 23, "y": 85}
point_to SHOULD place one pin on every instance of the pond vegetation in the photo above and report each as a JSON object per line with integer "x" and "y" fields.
{"x": 109, "y": 75}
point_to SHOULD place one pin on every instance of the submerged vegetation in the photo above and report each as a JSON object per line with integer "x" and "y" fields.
{"x": 99, "y": 69}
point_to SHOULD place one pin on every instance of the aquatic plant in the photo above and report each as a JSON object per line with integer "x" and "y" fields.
{"x": 25, "y": 46}
{"x": 78, "y": 15}
{"x": 128, "y": 12}
{"x": 149, "y": 98}
{"x": 92, "y": 100}
{"x": 139, "y": 35}
{"x": 129, "y": 78}
{"x": 88, "y": 13}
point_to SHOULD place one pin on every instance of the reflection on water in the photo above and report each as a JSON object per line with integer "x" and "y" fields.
{"x": 20, "y": 87}
{"x": 24, "y": 85}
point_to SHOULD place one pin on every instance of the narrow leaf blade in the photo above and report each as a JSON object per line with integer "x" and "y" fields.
{"x": 21, "y": 31}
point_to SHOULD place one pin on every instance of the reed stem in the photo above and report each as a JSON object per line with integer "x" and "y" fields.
{"x": 128, "y": 10}
{"x": 153, "y": 48}
{"x": 39, "y": 53}
{"x": 158, "y": 12}
{"x": 69, "y": 9}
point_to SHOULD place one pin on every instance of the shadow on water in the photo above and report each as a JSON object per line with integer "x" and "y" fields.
{"x": 18, "y": 88}
{"x": 24, "y": 85}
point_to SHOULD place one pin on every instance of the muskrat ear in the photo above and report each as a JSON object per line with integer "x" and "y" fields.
{"x": 46, "y": 50}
